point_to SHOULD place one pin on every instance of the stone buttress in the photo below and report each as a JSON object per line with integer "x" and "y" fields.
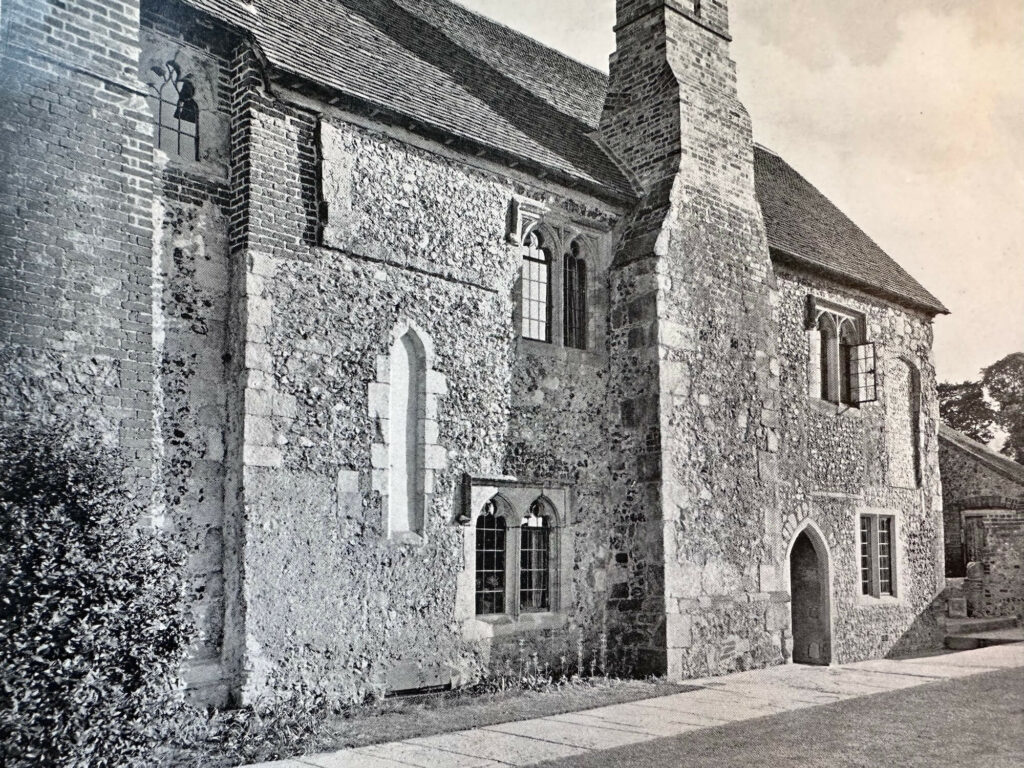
{"x": 693, "y": 347}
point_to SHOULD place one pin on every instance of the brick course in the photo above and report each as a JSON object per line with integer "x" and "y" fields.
{"x": 229, "y": 320}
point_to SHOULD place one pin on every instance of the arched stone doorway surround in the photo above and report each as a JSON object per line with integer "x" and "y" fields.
{"x": 808, "y": 576}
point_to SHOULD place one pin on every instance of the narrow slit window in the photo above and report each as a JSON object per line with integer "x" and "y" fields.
{"x": 491, "y": 543}
{"x": 865, "y": 555}
{"x": 534, "y": 562}
{"x": 536, "y": 290}
{"x": 575, "y": 289}
{"x": 885, "y": 556}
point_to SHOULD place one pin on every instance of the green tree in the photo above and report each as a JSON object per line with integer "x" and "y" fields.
{"x": 964, "y": 408}
{"x": 981, "y": 409}
{"x": 1004, "y": 382}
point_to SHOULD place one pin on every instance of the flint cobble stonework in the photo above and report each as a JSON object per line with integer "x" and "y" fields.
{"x": 238, "y": 337}
{"x": 984, "y": 518}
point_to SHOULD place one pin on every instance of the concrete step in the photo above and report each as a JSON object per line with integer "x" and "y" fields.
{"x": 970, "y": 642}
{"x": 970, "y": 626}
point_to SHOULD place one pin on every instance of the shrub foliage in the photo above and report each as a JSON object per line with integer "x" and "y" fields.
{"x": 93, "y": 613}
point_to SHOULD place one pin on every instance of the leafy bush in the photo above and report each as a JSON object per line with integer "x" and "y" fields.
{"x": 93, "y": 613}
{"x": 256, "y": 734}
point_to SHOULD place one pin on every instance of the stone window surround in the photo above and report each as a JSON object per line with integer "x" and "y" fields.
{"x": 897, "y": 598}
{"x": 558, "y": 234}
{"x": 825, "y": 562}
{"x": 815, "y": 308}
{"x": 917, "y": 434}
{"x": 516, "y": 497}
{"x": 435, "y": 455}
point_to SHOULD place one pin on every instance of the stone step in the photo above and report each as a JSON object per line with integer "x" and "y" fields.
{"x": 970, "y": 626}
{"x": 975, "y": 640}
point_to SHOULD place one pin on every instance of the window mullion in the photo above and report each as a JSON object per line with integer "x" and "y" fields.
{"x": 513, "y": 549}
{"x": 876, "y": 587}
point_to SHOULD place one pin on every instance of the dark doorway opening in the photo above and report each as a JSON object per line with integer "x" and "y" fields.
{"x": 808, "y": 576}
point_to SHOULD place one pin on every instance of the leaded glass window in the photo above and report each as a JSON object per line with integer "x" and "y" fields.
{"x": 877, "y": 556}
{"x": 534, "y": 561}
{"x": 847, "y": 362}
{"x": 536, "y": 289}
{"x": 490, "y": 563}
{"x": 176, "y": 112}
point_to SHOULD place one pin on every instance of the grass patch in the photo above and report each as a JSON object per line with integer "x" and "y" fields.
{"x": 400, "y": 719}
{"x": 228, "y": 739}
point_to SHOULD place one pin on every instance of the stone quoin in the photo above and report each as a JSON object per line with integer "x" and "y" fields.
{"x": 439, "y": 348}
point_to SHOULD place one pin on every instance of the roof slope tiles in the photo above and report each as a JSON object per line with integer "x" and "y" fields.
{"x": 467, "y": 76}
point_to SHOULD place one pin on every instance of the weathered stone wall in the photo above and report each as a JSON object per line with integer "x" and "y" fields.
{"x": 841, "y": 461}
{"x": 702, "y": 320}
{"x": 75, "y": 234}
{"x": 416, "y": 238}
{"x": 191, "y": 279}
{"x": 1002, "y": 558}
{"x": 969, "y": 483}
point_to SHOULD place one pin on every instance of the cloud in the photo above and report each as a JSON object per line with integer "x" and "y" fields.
{"x": 917, "y": 134}
{"x": 867, "y": 32}
{"x": 909, "y": 114}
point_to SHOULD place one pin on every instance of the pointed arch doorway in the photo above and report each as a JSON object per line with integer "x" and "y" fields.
{"x": 811, "y": 609}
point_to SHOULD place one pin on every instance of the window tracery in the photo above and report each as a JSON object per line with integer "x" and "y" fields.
{"x": 536, "y": 289}
{"x": 516, "y": 557}
{"x": 843, "y": 361}
{"x": 176, "y": 112}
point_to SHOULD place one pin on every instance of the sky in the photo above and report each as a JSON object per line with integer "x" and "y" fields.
{"x": 908, "y": 114}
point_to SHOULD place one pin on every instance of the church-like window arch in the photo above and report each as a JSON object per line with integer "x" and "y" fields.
{"x": 176, "y": 112}
{"x": 535, "y": 558}
{"x": 517, "y": 552}
{"x": 406, "y": 446}
{"x": 829, "y": 356}
{"x": 535, "y": 305}
{"x": 574, "y": 288}
{"x": 491, "y": 560}
{"x": 842, "y": 361}
{"x": 404, "y": 404}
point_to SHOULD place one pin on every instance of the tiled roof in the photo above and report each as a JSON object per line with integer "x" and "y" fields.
{"x": 474, "y": 79}
{"x": 445, "y": 67}
{"x": 996, "y": 461}
{"x": 806, "y": 228}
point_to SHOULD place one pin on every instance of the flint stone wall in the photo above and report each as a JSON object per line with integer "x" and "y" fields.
{"x": 841, "y": 461}
{"x": 968, "y": 483}
{"x": 414, "y": 237}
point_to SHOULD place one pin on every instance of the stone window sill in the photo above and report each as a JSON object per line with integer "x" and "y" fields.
{"x": 888, "y": 601}
{"x": 408, "y": 539}
{"x": 836, "y": 409}
{"x": 207, "y": 169}
{"x": 503, "y": 625}
{"x": 557, "y": 352}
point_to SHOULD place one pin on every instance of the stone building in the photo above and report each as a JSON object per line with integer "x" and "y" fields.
{"x": 441, "y": 348}
{"x": 983, "y": 507}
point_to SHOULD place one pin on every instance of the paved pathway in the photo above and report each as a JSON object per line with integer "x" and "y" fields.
{"x": 719, "y": 701}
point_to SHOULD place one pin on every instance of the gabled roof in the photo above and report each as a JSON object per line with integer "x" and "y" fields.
{"x": 805, "y": 228}
{"x": 470, "y": 78}
{"x": 1004, "y": 465}
{"x": 445, "y": 67}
